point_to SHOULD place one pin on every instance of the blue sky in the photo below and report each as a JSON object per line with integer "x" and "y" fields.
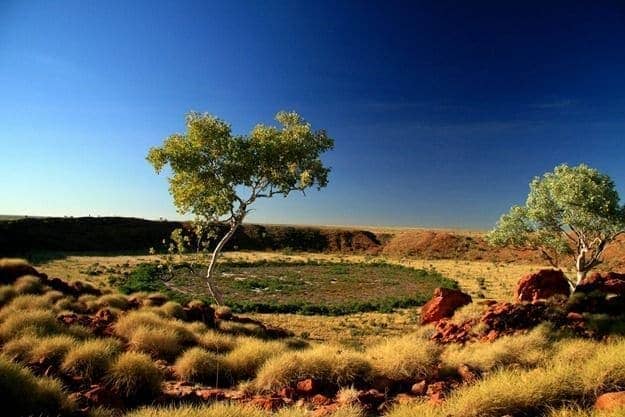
{"x": 441, "y": 111}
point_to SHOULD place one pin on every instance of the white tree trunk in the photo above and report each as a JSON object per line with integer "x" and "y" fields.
{"x": 210, "y": 280}
{"x": 580, "y": 276}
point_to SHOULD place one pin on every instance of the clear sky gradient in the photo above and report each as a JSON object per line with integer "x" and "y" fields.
{"x": 442, "y": 111}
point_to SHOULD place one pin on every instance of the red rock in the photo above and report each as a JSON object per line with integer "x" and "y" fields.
{"x": 573, "y": 316}
{"x": 419, "y": 388}
{"x": 320, "y": 399}
{"x": 307, "y": 387}
{"x": 467, "y": 374}
{"x": 382, "y": 383}
{"x": 610, "y": 401}
{"x": 371, "y": 399}
{"x": 402, "y": 398}
{"x": 436, "y": 392}
{"x": 286, "y": 392}
{"x": 443, "y": 304}
{"x": 610, "y": 283}
{"x": 100, "y": 395}
{"x": 542, "y": 285}
{"x": 267, "y": 403}
{"x": 210, "y": 394}
{"x": 326, "y": 410}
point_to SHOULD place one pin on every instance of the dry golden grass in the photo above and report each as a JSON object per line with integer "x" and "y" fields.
{"x": 233, "y": 410}
{"x": 7, "y": 293}
{"x": 173, "y": 309}
{"x": 28, "y": 284}
{"x": 200, "y": 365}
{"x": 52, "y": 350}
{"x": 38, "y": 322}
{"x": 249, "y": 354}
{"x": 90, "y": 359}
{"x": 329, "y": 364}
{"x": 407, "y": 358}
{"x": 23, "y": 394}
{"x": 134, "y": 375}
{"x": 527, "y": 350}
{"x": 19, "y": 348}
{"x": 217, "y": 342}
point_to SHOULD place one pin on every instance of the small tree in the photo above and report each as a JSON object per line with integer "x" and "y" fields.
{"x": 217, "y": 176}
{"x": 570, "y": 212}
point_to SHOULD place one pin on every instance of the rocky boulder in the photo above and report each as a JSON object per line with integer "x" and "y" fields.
{"x": 443, "y": 304}
{"x": 610, "y": 401}
{"x": 542, "y": 285}
{"x": 609, "y": 283}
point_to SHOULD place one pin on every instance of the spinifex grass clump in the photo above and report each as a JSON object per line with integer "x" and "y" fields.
{"x": 217, "y": 342}
{"x": 28, "y": 284}
{"x": 407, "y": 358}
{"x": 38, "y": 322}
{"x": 52, "y": 350}
{"x": 525, "y": 350}
{"x": 24, "y": 394}
{"x": 249, "y": 355}
{"x": 331, "y": 365}
{"x": 199, "y": 365}
{"x": 91, "y": 358}
{"x": 158, "y": 336}
{"x": 236, "y": 410}
{"x": 135, "y": 376}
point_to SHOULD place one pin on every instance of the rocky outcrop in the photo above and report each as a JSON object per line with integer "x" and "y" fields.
{"x": 443, "y": 304}
{"x": 610, "y": 401}
{"x": 608, "y": 283}
{"x": 542, "y": 285}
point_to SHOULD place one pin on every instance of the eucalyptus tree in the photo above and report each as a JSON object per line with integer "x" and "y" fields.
{"x": 572, "y": 212}
{"x": 217, "y": 176}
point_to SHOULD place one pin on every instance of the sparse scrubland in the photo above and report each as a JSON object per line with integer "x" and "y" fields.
{"x": 72, "y": 352}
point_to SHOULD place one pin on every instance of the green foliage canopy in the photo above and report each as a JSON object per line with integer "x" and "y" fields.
{"x": 212, "y": 168}
{"x": 570, "y": 211}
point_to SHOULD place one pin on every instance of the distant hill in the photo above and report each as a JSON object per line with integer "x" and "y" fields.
{"x": 116, "y": 234}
